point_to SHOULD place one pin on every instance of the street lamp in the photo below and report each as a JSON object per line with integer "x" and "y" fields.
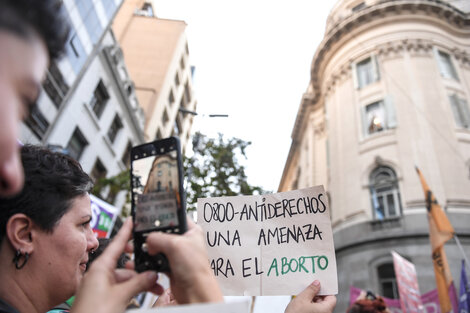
{"x": 184, "y": 111}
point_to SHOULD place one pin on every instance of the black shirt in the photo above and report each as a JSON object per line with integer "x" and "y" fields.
{"x": 6, "y": 308}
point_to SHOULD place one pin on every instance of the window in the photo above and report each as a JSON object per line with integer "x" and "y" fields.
{"x": 193, "y": 69}
{"x": 76, "y": 53}
{"x": 171, "y": 98}
{"x": 109, "y": 7}
{"x": 177, "y": 79}
{"x": 358, "y": 7}
{"x": 182, "y": 62}
{"x": 55, "y": 85}
{"x": 366, "y": 72}
{"x": 385, "y": 196}
{"x": 116, "y": 125}
{"x": 99, "y": 99}
{"x": 129, "y": 87}
{"x": 147, "y": 7}
{"x": 37, "y": 122}
{"x": 446, "y": 67}
{"x": 295, "y": 183}
{"x": 159, "y": 134}
{"x": 387, "y": 281}
{"x": 187, "y": 92}
{"x": 77, "y": 144}
{"x": 186, "y": 48}
{"x": 126, "y": 156}
{"x": 378, "y": 116}
{"x": 460, "y": 111}
{"x": 177, "y": 128}
{"x": 90, "y": 19}
{"x": 165, "y": 117}
{"x": 99, "y": 171}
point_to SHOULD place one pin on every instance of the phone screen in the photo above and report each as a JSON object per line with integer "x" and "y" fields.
{"x": 155, "y": 186}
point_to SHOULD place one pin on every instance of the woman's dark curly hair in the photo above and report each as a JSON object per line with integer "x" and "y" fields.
{"x": 52, "y": 181}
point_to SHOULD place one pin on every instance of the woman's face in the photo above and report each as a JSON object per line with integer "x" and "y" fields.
{"x": 63, "y": 254}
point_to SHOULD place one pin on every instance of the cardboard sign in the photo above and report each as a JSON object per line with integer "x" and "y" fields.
{"x": 407, "y": 280}
{"x": 274, "y": 244}
{"x": 241, "y": 306}
{"x": 103, "y": 216}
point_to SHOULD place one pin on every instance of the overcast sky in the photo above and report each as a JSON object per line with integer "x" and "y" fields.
{"x": 252, "y": 60}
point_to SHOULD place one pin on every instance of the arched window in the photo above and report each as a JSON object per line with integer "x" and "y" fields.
{"x": 387, "y": 281}
{"x": 385, "y": 195}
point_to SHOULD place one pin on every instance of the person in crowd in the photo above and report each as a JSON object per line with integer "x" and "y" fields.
{"x": 368, "y": 302}
{"x": 32, "y": 33}
{"x": 45, "y": 233}
{"x": 46, "y": 237}
{"x": 308, "y": 302}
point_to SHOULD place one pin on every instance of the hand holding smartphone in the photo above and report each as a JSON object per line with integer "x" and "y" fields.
{"x": 158, "y": 199}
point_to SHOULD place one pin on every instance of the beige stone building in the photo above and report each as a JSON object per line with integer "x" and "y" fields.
{"x": 389, "y": 90}
{"x": 157, "y": 56}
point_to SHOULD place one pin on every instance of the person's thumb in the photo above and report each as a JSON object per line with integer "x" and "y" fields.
{"x": 310, "y": 292}
{"x": 159, "y": 242}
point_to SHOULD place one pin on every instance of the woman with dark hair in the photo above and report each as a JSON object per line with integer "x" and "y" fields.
{"x": 45, "y": 240}
{"x": 45, "y": 233}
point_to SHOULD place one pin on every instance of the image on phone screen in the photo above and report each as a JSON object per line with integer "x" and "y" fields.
{"x": 156, "y": 191}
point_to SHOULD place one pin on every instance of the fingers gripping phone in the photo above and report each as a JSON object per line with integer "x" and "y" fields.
{"x": 158, "y": 199}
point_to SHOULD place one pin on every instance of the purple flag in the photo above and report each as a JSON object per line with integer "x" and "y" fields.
{"x": 464, "y": 297}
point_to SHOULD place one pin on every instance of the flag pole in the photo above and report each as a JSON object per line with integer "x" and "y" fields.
{"x": 462, "y": 251}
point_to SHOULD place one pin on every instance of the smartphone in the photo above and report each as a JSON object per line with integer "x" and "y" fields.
{"x": 158, "y": 198}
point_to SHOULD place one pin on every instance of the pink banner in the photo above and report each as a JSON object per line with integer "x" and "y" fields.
{"x": 407, "y": 280}
{"x": 430, "y": 300}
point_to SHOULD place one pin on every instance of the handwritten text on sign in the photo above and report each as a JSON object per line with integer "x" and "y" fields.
{"x": 273, "y": 244}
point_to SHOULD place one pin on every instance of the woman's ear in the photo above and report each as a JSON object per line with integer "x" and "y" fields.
{"x": 19, "y": 232}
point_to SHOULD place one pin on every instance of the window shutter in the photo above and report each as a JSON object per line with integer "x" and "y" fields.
{"x": 354, "y": 75}
{"x": 375, "y": 65}
{"x": 390, "y": 111}
{"x": 454, "y": 104}
{"x": 364, "y": 122}
{"x": 465, "y": 113}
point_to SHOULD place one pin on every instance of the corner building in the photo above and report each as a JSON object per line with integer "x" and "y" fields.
{"x": 87, "y": 106}
{"x": 157, "y": 55}
{"x": 389, "y": 90}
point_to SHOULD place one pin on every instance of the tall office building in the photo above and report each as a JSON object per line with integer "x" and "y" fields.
{"x": 88, "y": 105}
{"x": 156, "y": 53}
{"x": 389, "y": 90}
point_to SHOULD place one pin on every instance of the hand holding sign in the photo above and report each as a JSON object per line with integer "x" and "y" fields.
{"x": 308, "y": 301}
{"x": 273, "y": 244}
